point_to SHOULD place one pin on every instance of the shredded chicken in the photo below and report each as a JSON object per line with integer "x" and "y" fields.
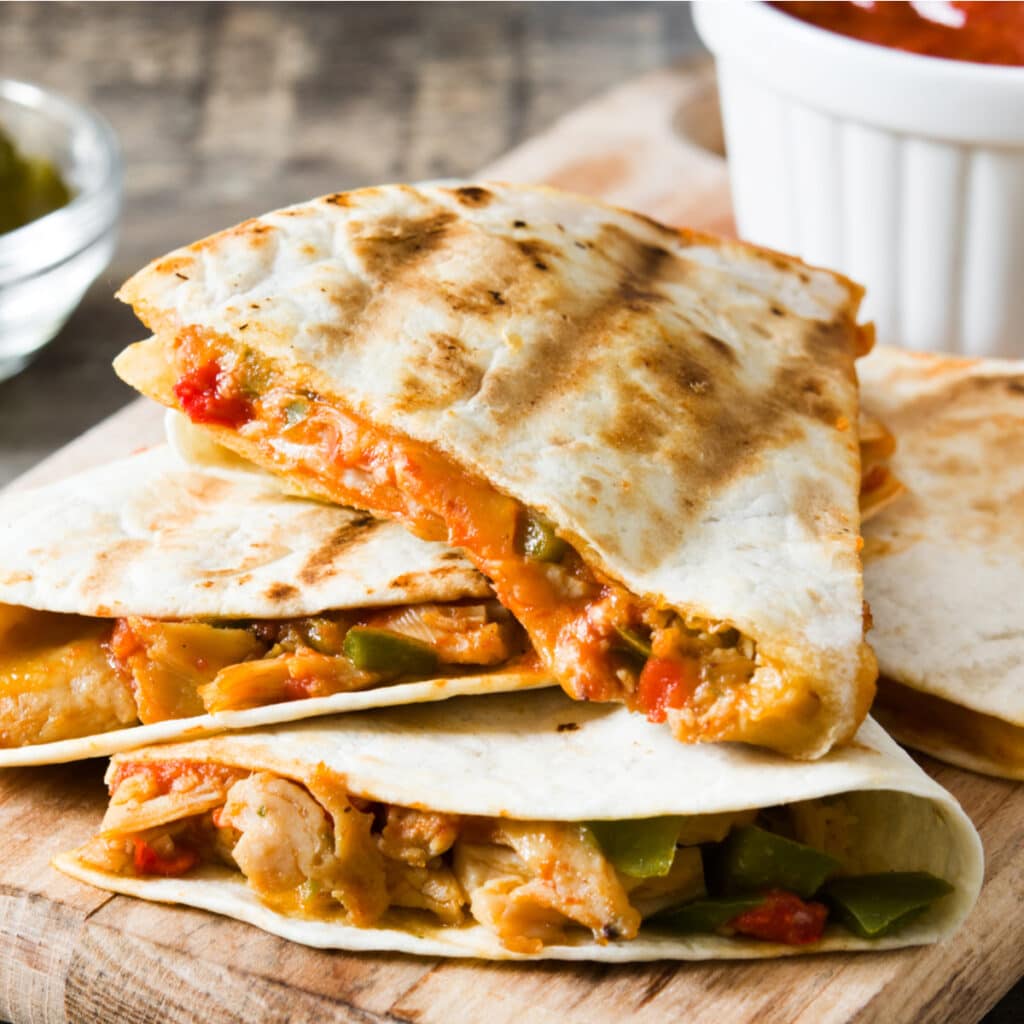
{"x": 417, "y": 837}
{"x": 571, "y": 875}
{"x": 477, "y": 634}
{"x": 286, "y": 841}
{"x": 435, "y": 889}
{"x": 169, "y": 661}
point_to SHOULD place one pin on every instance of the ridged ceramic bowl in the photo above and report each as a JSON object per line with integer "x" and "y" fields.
{"x": 905, "y": 172}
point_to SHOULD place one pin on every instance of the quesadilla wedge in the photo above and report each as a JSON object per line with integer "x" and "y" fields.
{"x": 645, "y": 438}
{"x": 528, "y": 826}
{"x": 143, "y": 601}
{"x": 944, "y": 565}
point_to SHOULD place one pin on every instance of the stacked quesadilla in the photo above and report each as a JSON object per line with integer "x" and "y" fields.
{"x": 645, "y": 449}
{"x": 944, "y": 563}
{"x": 143, "y": 601}
{"x": 529, "y": 826}
{"x": 646, "y": 439}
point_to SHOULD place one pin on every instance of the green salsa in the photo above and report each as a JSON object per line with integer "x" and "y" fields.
{"x": 30, "y": 187}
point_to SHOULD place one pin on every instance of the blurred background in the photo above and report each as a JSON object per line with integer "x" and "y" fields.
{"x": 227, "y": 110}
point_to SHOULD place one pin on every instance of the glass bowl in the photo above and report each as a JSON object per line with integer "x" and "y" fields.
{"x": 47, "y": 265}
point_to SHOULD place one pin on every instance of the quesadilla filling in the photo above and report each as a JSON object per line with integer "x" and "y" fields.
{"x": 63, "y": 676}
{"x": 934, "y": 725}
{"x": 313, "y": 849}
{"x": 602, "y": 642}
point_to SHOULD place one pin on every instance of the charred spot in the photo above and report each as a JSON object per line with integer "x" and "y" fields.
{"x": 519, "y": 223}
{"x": 174, "y": 264}
{"x": 1015, "y": 386}
{"x": 538, "y": 252}
{"x": 281, "y": 592}
{"x": 451, "y": 556}
{"x": 339, "y": 199}
{"x": 497, "y": 298}
{"x": 179, "y": 274}
{"x": 407, "y": 581}
{"x": 394, "y": 246}
{"x": 567, "y": 726}
{"x": 776, "y": 311}
{"x": 319, "y": 564}
{"x": 658, "y": 226}
{"x": 718, "y": 346}
{"x": 243, "y": 327}
{"x": 439, "y": 373}
{"x": 473, "y": 195}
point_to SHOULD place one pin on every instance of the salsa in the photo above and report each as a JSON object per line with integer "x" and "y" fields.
{"x": 30, "y": 187}
{"x": 977, "y": 32}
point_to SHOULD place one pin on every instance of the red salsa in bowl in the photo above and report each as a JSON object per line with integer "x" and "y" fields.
{"x": 977, "y": 32}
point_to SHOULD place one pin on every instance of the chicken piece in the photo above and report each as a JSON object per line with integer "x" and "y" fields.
{"x": 357, "y": 878}
{"x": 554, "y": 871}
{"x": 417, "y": 837}
{"x": 461, "y": 634}
{"x": 566, "y": 859}
{"x": 284, "y": 834}
{"x": 169, "y": 661}
{"x": 288, "y": 839}
{"x": 502, "y": 900}
{"x": 519, "y": 913}
{"x": 293, "y": 676}
{"x": 421, "y": 888}
{"x": 145, "y": 794}
{"x": 56, "y": 681}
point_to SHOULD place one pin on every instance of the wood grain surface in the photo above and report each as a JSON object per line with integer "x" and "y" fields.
{"x": 71, "y": 953}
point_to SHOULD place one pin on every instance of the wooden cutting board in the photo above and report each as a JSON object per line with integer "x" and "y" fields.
{"x": 72, "y": 953}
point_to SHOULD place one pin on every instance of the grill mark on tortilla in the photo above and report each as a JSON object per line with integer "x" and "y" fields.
{"x": 321, "y": 562}
{"x": 439, "y": 373}
{"x": 737, "y": 427}
{"x": 557, "y": 362}
{"x": 396, "y": 245}
{"x": 280, "y": 592}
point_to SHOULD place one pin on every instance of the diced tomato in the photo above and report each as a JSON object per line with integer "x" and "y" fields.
{"x": 208, "y": 396}
{"x": 783, "y": 917}
{"x": 665, "y": 683}
{"x": 148, "y": 862}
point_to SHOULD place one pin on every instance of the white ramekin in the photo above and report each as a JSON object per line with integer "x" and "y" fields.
{"x": 904, "y": 172}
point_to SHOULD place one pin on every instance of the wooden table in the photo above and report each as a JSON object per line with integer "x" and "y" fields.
{"x": 224, "y": 111}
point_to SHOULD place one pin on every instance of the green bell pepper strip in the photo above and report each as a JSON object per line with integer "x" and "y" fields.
{"x": 641, "y": 847}
{"x": 875, "y": 905}
{"x": 539, "y": 540}
{"x": 633, "y": 643}
{"x": 380, "y": 650}
{"x": 751, "y": 860}
{"x": 707, "y": 915}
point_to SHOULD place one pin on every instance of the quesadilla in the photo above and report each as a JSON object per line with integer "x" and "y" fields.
{"x": 944, "y": 565}
{"x": 142, "y": 601}
{"x": 528, "y": 826}
{"x": 647, "y": 439}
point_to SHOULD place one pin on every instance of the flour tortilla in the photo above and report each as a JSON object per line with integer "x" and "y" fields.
{"x": 682, "y": 408}
{"x": 148, "y": 536}
{"x": 514, "y": 757}
{"x": 944, "y": 564}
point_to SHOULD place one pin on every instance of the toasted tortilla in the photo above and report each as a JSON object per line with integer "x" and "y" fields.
{"x": 944, "y": 563}
{"x": 543, "y": 757}
{"x": 147, "y": 536}
{"x": 682, "y": 408}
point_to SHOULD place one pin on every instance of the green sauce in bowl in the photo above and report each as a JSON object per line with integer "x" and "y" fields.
{"x": 30, "y": 187}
